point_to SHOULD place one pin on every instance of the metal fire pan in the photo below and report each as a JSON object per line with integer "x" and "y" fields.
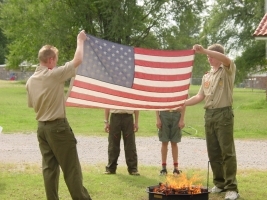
{"x": 157, "y": 196}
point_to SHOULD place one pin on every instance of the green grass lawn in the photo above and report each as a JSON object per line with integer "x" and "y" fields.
{"x": 19, "y": 182}
{"x": 250, "y": 109}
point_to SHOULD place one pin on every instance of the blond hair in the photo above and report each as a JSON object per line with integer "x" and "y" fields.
{"x": 46, "y": 52}
{"x": 216, "y": 47}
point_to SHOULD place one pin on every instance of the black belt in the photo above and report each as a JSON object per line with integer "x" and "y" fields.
{"x": 169, "y": 111}
{"x": 121, "y": 114}
{"x": 219, "y": 109}
{"x": 53, "y": 121}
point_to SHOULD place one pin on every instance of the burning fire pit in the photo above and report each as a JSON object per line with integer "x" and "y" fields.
{"x": 204, "y": 195}
{"x": 178, "y": 188}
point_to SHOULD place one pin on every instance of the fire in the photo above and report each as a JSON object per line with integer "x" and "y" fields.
{"x": 180, "y": 184}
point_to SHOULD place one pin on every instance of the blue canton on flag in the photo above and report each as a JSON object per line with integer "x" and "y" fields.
{"x": 108, "y": 62}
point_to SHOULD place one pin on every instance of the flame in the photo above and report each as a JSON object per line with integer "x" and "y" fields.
{"x": 180, "y": 184}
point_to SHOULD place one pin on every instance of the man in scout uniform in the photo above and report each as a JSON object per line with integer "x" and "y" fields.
{"x": 57, "y": 143}
{"x": 217, "y": 90}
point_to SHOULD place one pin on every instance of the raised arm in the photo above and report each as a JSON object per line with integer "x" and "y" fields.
{"x": 78, "y": 56}
{"x": 215, "y": 54}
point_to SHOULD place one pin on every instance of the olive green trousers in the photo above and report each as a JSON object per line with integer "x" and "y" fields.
{"x": 121, "y": 125}
{"x": 219, "y": 125}
{"x": 57, "y": 144}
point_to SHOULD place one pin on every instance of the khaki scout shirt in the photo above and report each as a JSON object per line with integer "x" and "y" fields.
{"x": 217, "y": 87}
{"x": 45, "y": 90}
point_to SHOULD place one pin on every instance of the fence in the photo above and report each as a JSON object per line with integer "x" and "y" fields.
{"x": 14, "y": 75}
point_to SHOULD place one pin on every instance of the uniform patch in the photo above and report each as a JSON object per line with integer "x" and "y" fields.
{"x": 206, "y": 84}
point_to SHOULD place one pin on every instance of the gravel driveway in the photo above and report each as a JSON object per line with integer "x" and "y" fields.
{"x": 23, "y": 148}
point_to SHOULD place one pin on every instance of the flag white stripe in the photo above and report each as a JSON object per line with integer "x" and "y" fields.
{"x": 160, "y": 71}
{"x": 161, "y": 84}
{"x": 122, "y": 99}
{"x": 164, "y": 58}
{"x": 133, "y": 91}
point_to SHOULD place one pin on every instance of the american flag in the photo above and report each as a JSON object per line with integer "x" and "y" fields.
{"x": 122, "y": 77}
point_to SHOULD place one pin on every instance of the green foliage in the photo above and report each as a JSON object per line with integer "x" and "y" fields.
{"x": 3, "y": 42}
{"x": 30, "y": 24}
{"x": 252, "y": 60}
{"x": 232, "y": 23}
{"x": 227, "y": 19}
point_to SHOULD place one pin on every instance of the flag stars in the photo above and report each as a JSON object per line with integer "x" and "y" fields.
{"x": 107, "y": 61}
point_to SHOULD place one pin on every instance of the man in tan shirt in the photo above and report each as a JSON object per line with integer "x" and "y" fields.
{"x": 57, "y": 143}
{"x": 217, "y": 90}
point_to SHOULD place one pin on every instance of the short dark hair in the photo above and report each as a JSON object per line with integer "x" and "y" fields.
{"x": 216, "y": 47}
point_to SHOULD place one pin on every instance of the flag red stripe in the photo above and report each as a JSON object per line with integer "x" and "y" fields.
{"x": 116, "y": 103}
{"x": 164, "y": 65}
{"x": 118, "y": 93}
{"x": 165, "y": 53}
{"x": 157, "y": 77}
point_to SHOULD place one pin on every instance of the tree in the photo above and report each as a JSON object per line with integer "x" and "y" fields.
{"x": 3, "y": 42}
{"x": 232, "y": 24}
{"x": 30, "y": 24}
{"x": 185, "y": 32}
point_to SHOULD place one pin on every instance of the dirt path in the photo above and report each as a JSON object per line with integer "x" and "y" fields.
{"x": 23, "y": 148}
